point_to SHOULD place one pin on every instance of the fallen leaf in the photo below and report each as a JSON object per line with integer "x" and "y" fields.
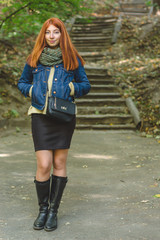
{"x": 144, "y": 201}
{"x": 67, "y": 223}
{"x": 138, "y": 166}
{"x": 157, "y": 196}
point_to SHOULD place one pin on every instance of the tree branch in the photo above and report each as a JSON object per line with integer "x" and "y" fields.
{"x": 18, "y": 10}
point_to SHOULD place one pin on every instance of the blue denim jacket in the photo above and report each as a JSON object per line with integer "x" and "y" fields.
{"x": 38, "y": 77}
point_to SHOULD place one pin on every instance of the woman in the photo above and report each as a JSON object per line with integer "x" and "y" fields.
{"x": 50, "y": 70}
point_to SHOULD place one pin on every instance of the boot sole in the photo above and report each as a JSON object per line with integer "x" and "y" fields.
{"x": 50, "y": 229}
{"x": 38, "y": 228}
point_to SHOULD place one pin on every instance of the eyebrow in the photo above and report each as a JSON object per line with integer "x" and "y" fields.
{"x": 53, "y": 30}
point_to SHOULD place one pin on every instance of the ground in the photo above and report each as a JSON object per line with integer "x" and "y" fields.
{"x": 112, "y": 193}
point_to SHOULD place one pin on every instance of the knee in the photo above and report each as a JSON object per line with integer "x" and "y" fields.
{"x": 44, "y": 167}
{"x": 60, "y": 163}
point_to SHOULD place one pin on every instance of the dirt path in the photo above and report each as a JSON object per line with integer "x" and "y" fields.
{"x": 113, "y": 177}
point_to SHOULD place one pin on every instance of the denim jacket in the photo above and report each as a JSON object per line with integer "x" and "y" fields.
{"x": 38, "y": 77}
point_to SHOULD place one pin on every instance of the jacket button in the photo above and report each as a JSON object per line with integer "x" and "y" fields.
{"x": 56, "y": 66}
{"x": 54, "y": 92}
{"x": 55, "y": 79}
{"x": 44, "y": 94}
{"x": 36, "y": 70}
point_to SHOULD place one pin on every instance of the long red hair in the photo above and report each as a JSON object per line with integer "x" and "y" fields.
{"x": 69, "y": 53}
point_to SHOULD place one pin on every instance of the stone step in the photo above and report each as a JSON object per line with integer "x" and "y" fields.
{"x": 101, "y": 95}
{"x": 92, "y": 43}
{"x": 134, "y": 6}
{"x": 94, "y": 19}
{"x": 134, "y": 14}
{"x": 134, "y": 10}
{"x": 104, "y": 88}
{"x": 96, "y": 24}
{"x": 104, "y": 119}
{"x": 94, "y": 59}
{"x": 98, "y": 70}
{"x": 101, "y": 110}
{"x": 105, "y": 127}
{"x": 133, "y": 1}
{"x": 92, "y": 28}
{"x": 91, "y": 34}
{"x": 93, "y": 56}
{"x": 91, "y": 39}
{"x": 101, "y": 81}
{"x": 101, "y": 102}
{"x": 137, "y": 4}
{"x": 94, "y": 48}
{"x": 98, "y": 76}
{"x": 93, "y": 31}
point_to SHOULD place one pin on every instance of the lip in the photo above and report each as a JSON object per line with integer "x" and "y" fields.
{"x": 52, "y": 41}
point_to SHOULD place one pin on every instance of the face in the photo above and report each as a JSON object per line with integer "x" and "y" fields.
{"x": 52, "y": 36}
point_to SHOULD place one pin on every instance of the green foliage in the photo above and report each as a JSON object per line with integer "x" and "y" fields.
{"x": 1, "y": 100}
{"x": 85, "y": 20}
{"x": 111, "y": 3}
{"x": 21, "y": 18}
{"x": 11, "y": 113}
{"x": 150, "y": 3}
{"x": 97, "y": 112}
{"x": 18, "y": 129}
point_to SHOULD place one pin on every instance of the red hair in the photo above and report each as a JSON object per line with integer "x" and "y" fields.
{"x": 69, "y": 53}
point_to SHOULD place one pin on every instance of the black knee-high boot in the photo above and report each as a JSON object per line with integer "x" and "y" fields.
{"x": 43, "y": 189}
{"x": 57, "y": 187}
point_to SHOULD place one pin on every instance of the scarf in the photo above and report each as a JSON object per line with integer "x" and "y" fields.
{"x": 50, "y": 57}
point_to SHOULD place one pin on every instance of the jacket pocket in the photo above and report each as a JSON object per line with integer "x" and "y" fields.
{"x": 37, "y": 74}
{"x": 69, "y": 72}
{"x": 38, "y": 94}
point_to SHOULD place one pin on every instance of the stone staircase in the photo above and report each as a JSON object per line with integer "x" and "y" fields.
{"x": 134, "y": 8}
{"x": 93, "y": 36}
{"x": 103, "y": 108}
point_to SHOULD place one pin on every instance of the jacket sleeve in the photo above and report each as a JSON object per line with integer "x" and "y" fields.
{"x": 81, "y": 84}
{"x": 25, "y": 81}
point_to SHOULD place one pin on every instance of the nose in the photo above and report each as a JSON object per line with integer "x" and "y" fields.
{"x": 52, "y": 35}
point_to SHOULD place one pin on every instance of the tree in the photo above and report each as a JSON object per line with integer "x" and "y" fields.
{"x": 25, "y": 17}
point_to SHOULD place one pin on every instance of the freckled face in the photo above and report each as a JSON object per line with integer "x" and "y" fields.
{"x": 52, "y": 36}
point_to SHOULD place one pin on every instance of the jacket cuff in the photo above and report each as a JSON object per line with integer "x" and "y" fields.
{"x": 30, "y": 91}
{"x": 72, "y": 89}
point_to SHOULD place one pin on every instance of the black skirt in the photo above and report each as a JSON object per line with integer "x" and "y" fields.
{"x": 50, "y": 134}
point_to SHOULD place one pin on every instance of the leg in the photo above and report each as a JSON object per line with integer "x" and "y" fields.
{"x": 44, "y": 164}
{"x": 59, "y": 162}
{"x": 58, "y": 185}
{"x": 59, "y": 181}
{"x": 42, "y": 183}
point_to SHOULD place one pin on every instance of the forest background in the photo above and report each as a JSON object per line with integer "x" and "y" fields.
{"x": 133, "y": 61}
